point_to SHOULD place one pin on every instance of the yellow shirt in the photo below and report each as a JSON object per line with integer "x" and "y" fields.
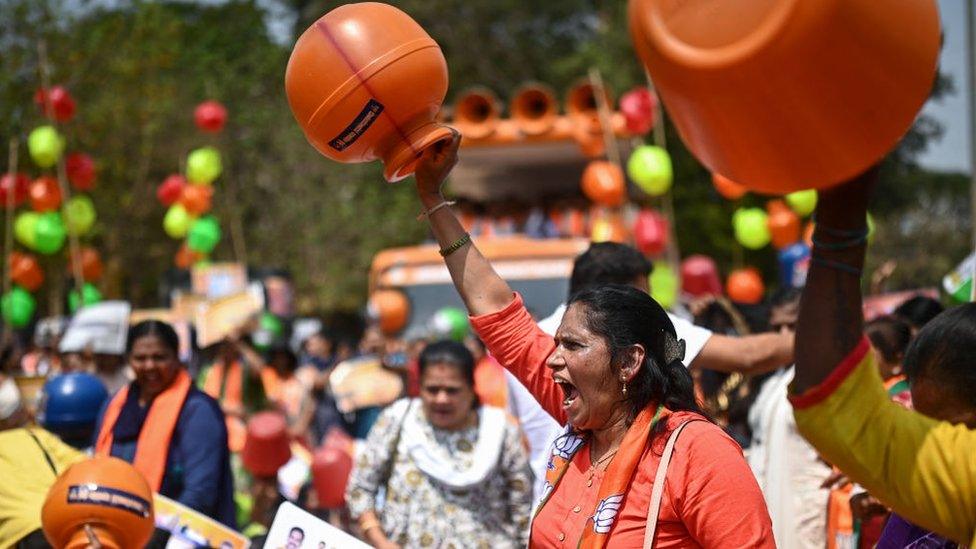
{"x": 25, "y": 478}
{"x": 924, "y": 469}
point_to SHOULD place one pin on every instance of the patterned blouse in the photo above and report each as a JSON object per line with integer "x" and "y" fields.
{"x": 420, "y": 512}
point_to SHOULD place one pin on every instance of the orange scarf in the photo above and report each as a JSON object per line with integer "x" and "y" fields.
{"x": 229, "y": 392}
{"x": 152, "y": 447}
{"x": 615, "y": 482}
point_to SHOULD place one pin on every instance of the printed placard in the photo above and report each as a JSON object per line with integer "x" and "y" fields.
{"x": 295, "y": 529}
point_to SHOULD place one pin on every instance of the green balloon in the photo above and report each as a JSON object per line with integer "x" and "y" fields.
{"x": 650, "y": 168}
{"x": 450, "y": 322}
{"x": 45, "y": 146}
{"x": 803, "y": 202}
{"x": 270, "y": 329}
{"x": 750, "y": 227}
{"x": 664, "y": 284}
{"x": 203, "y": 166}
{"x": 49, "y": 233}
{"x": 25, "y": 226}
{"x": 18, "y": 306}
{"x": 177, "y": 221}
{"x": 89, "y": 296}
{"x": 204, "y": 235}
{"x": 79, "y": 215}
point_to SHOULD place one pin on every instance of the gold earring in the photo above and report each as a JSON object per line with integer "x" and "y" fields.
{"x": 625, "y": 388}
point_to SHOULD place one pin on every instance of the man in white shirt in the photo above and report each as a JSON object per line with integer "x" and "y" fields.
{"x": 612, "y": 263}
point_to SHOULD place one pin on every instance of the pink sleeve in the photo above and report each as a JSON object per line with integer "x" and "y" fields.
{"x": 714, "y": 491}
{"x": 517, "y": 343}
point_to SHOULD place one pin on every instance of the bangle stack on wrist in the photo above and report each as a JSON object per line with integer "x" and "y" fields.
{"x": 839, "y": 240}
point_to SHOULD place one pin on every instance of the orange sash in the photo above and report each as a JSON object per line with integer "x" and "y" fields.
{"x": 229, "y": 392}
{"x": 152, "y": 448}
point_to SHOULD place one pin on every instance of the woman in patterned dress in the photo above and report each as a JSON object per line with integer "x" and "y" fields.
{"x": 449, "y": 471}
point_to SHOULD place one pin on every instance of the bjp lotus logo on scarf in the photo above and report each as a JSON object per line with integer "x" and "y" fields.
{"x": 606, "y": 513}
{"x": 566, "y": 445}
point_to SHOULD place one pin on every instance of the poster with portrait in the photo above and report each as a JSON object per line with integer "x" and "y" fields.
{"x": 191, "y": 529}
{"x": 296, "y": 529}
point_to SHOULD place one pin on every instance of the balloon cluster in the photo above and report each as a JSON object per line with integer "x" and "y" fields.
{"x": 44, "y": 226}
{"x": 189, "y": 197}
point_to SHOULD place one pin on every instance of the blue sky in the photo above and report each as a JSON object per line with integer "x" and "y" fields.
{"x": 951, "y": 153}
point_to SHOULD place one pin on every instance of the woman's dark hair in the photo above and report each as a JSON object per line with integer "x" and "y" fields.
{"x": 943, "y": 352}
{"x": 890, "y": 335}
{"x": 156, "y": 328}
{"x": 451, "y": 353}
{"x": 282, "y": 350}
{"x": 919, "y": 310}
{"x": 608, "y": 263}
{"x": 625, "y": 316}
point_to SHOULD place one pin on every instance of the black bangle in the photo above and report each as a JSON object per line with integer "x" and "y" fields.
{"x": 842, "y": 245}
{"x": 456, "y": 245}
{"x": 836, "y": 265}
{"x": 839, "y": 233}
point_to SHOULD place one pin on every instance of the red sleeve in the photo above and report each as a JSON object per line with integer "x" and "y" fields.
{"x": 714, "y": 491}
{"x": 517, "y": 343}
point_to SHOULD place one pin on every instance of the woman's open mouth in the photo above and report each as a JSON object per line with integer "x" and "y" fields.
{"x": 570, "y": 393}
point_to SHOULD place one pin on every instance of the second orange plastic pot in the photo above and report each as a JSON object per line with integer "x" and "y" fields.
{"x": 782, "y": 95}
{"x": 365, "y": 81}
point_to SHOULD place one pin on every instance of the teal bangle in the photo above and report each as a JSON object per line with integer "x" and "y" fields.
{"x": 456, "y": 245}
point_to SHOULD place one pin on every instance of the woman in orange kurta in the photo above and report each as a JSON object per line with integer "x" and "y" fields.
{"x": 614, "y": 376}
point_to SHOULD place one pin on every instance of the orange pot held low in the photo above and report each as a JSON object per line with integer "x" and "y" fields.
{"x": 365, "y": 81}
{"x": 783, "y": 95}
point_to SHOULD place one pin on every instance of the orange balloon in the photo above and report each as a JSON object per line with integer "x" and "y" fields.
{"x": 745, "y": 286}
{"x": 105, "y": 494}
{"x": 743, "y": 79}
{"x": 391, "y": 308}
{"x": 45, "y": 194}
{"x": 728, "y": 188}
{"x": 185, "y": 257}
{"x": 365, "y": 81}
{"x": 197, "y": 199}
{"x": 25, "y": 271}
{"x": 91, "y": 264}
{"x": 783, "y": 223}
{"x": 603, "y": 183}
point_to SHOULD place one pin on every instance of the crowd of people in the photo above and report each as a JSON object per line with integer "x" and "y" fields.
{"x": 610, "y": 423}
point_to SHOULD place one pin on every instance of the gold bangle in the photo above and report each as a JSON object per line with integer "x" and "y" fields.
{"x": 456, "y": 245}
{"x": 366, "y": 525}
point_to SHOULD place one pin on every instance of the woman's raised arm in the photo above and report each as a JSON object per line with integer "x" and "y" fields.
{"x": 482, "y": 290}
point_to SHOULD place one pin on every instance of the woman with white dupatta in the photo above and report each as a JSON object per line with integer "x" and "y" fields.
{"x": 452, "y": 472}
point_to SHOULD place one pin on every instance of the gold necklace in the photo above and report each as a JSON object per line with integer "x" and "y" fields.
{"x": 596, "y": 466}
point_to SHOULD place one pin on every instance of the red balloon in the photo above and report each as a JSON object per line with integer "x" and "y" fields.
{"x": 25, "y": 271}
{"x": 210, "y": 116}
{"x": 783, "y": 223}
{"x": 728, "y": 188}
{"x": 55, "y": 103}
{"x": 331, "y": 465}
{"x": 603, "y": 183}
{"x": 650, "y": 232}
{"x": 699, "y": 276}
{"x": 45, "y": 194}
{"x": 638, "y": 106}
{"x": 197, "y": 199}
{"x": 185, "y": 257}
{"x": 170, "y": 190}
{"x": 81, "y": 171}
{"x": 745, "y": 286}
{"x": 15, "y": 186}
{"x": 91, "y": 264}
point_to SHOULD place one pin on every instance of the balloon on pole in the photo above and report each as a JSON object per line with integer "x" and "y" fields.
{"x": 802, "y": 202}
{"x": 650, "y": 232}
{"x": 45, "y": 194}
{"x": 89, "y": 296}
{"x": 55, "y": 103}
{"x": 79, "y": 215}
{"x": 17, "y": 307}
{"x": 81, "y": 171}
{"x": 203, "y": 165}
{"x": 45, "y": 146}
{"x": 177, "y": 221}
{"x": 197, "y": 199}
{"x": 649, "y": 167}
{"x": 603, "y": 183}
{"x": 745, "y": 286}
{"x": 25, "y": 228}
{"x": 204, "y": 234}
{"x": 15, "y": 185}
{"x": 210, "y": 116}
{"x": 751, "y": 227}
{"x": 49, "y": 233}
{"x": 170, "y": 190}
{"x": 91, "y": 264}
{"x": 664, "y": 284}
{"x": 783, "y": 223}
{"x": 638, "y": 107}
{"x": 450, "y": 322}
{"x": 25, "y": 271}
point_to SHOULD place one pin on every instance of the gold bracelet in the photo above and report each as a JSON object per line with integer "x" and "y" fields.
{"x": 366, "y": 525}
{"x": 456, "y": 245}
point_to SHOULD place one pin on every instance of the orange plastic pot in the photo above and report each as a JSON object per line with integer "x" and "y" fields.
{"x": 266, "y": 448}
{"x": 331, "y": 466}
{"x": 745, "y": 286}
{"x": 25, "y": 271}
{"x": 476, "y": 113}
{"x": 783, "y": 95}
{"x": 390, "y": 308}
{"x": 103, "y": 497}
{"x": 534, "y": 109}
{"x": 365, "y": 81}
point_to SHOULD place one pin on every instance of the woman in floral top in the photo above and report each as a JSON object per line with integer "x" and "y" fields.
{"x": 454, "y": 473}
